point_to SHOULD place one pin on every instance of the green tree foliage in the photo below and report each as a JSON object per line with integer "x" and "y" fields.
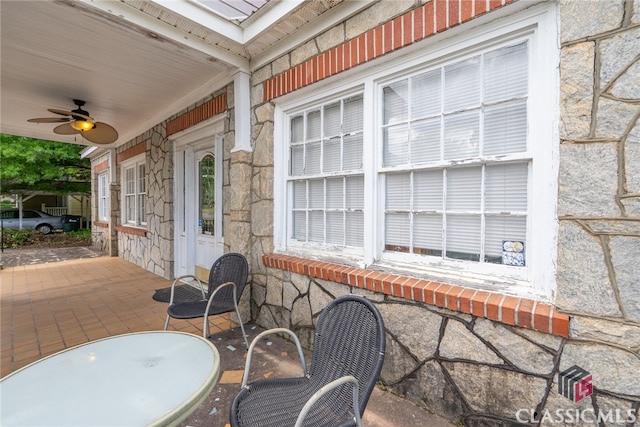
{"x": 28, "y": 164}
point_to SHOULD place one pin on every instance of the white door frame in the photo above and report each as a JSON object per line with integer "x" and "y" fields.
{"x": 190, "y": 145}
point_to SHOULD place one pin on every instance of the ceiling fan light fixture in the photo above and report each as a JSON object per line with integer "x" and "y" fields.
{"x": 81, "y": 125}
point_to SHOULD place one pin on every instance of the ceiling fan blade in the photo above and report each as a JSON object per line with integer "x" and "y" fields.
{"x": 102, "y": 133}
{"x": 65, "y": 129}
{"x": 50, "y": 120}
{"x": 69, "y": 113}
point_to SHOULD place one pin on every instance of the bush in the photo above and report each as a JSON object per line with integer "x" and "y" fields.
{"x": 27, "y": 238}
{"x": 15, "y": 238}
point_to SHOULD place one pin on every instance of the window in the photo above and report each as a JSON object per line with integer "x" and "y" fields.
{"x": 326, "y": 176}
{"x": 134, "y": 178}
{"x": 443, "y": 162}
{"x": 103, "y": 197}
{"x": 455, "y": 161}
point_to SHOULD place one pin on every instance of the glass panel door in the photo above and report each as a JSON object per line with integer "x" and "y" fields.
{"x": 207, "y": 184}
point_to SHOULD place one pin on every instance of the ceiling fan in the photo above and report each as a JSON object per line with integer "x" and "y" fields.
{"x": 79, "y": 121}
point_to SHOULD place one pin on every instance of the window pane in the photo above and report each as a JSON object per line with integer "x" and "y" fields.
{"x": 462, "y": 135}
{"x": 331, "y": 155}
{"x": 398, "y": 192}
{"x": 505, "y": 128}
{"x": 142, "y": 179}
{"x": 352, "y": 156}
{"x": 506, "y": 73}
{"x": 354, "y": 194}
{"x": 316, "y": 194}
{"x": 395, "y": 102}
{"x": 141, "y": 209}
{"x": 396, "y": 146}
{"x": 506, "y": 187}
{"x": 463, "y": 189}
{"x": 426, "y": 94}
{"x": 300, "y": 194}
{"x": 396, "y": 232}
{"x": 207, "y": 194}
{"x": 130, "y": 181}
{"x": 335, "y": 193}
{"x": 300, "y": 226}
{"x": 427, "y": 234}
{"x": 505, "y": 239}
{"x": 312, "y": 159}
{"x": 316, "y": 226}
{"x": 425, "y": 141}
{"x": 297, "y": 128}
{"x": 354, "y": 229}
{"x": 297, "y": 160}
{"x": 462, "y": 85}
{"x": 427, "y": 190}
{"x": 335, "y": 228}
{"x": 332, "y": 120}
{"x": 313, "y": 125}
{"x": 353, "y": 114}
{"x": 463, "y": 237}
{"x": 130, "y": 208}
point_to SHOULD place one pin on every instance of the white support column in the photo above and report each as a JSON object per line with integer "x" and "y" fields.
{"x": 242, "y": 102}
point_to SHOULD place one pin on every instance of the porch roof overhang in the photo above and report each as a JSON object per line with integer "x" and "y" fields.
{"x": 137, "y": 62}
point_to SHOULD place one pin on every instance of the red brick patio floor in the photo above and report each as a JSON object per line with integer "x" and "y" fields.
{"x": 45, "y": 308}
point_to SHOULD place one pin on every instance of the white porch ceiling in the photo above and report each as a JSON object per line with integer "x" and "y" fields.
{"x": 136, "y": 62}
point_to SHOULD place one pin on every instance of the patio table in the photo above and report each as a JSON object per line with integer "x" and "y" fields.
{"x": 138, "y": 379}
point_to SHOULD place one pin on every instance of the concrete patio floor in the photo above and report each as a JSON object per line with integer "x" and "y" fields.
{"x": 55, "y": 299}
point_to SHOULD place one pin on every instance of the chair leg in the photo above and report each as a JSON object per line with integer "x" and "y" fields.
{"x": 166, "y": 322}
{"x": 244, "y": 335}
{"x": 205, "y": 328}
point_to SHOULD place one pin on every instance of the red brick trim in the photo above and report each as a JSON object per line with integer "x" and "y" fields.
{"x": 139, "y": 148}
{"x": 417, "y": 24}
{"x": 514, "y": 311}
{"x": 131, "y": 230}
{"x": 203, "y": 112}
{"x": 101, "y": 167}
{"x": 102, "y": 224}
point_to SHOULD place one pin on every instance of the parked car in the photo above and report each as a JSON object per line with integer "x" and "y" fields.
{"x": 31, "y": 218}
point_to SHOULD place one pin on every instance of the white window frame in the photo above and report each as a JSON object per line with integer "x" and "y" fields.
{"x": 538, "y": 25}
{"x": 138, "y": 194}
{"x": 103, "y": 196}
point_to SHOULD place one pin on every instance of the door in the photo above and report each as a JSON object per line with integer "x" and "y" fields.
{"x": 197, "y": 201}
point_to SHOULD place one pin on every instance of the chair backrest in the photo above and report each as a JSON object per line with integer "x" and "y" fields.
{"x": 231, "y": 267}
{"x": 349, "y": 340}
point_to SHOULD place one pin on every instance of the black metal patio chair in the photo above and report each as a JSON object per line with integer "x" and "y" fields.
{"x": 348, "y": 352}
{"x": 227, "y": 280}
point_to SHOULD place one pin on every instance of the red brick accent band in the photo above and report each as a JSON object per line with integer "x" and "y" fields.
{"x": 131, "y": 230}
{"x": 102, "y": 166}
{"x": 102, "y": 224}
{"x": 139, "y": 148}
{"x": 509, "y": 310}
{"x": 415, "y": 25}
{"x": 203, "y": 112}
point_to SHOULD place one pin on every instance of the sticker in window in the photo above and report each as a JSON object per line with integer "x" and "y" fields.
{"x": 513, "y": 253}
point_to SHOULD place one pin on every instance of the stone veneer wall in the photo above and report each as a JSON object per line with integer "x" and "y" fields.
{"x": 461, "y": 365}
{"x": 152, "y": 248}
